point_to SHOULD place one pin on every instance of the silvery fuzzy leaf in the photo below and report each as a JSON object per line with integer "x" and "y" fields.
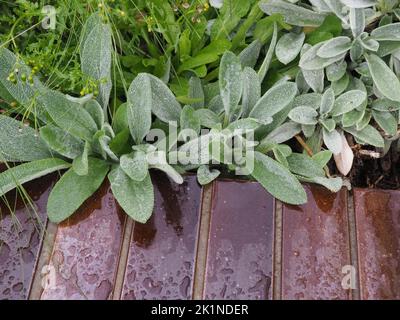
{"x": 206, "y": 176}
{"x": 308, "y": 129}
{"x": 189, "y": 119}
{"x": 384, "y": 78}
{"x": 303, "y": 165}
{"x": 351, "y": 118}
{"x": 386, "y": 121}
{"x": 196, "y": 92}
{"x": 304, "y": 115}
{"x": 135, "y": 165}
{"x": 20, "y": 143}
{"x": 322, "y": 158}
{"x": 81, "y": 100}
{"x": 96, "y": 47}
{"x": 370, "y": 44}
{"x": 72, "y": 190}
{"x": 274, "y": 100}
{"x": 140, "y": 104}
{"x": 283, "y": 133}
{"x": 332, "y": 184}
{"x": 334, "y": 47}
{"x": 293, "y": 14}
{"x": 359, "y": 3}
{"x": 357, "y": 84}
{"x": 207, "y": 117}
{"x": 311, "y": 61}
{"x": 216, "y": 105}
{"x": 368, "y": 135}
{"x": 320, "y": 5}
{"x": 327, "y": 101}
{"x": 364, "y": 121}
{"x": 328, "y": 124}
{"x": 289, "y": 47}
{"x": 312, "y": 100}
{"x": 302, "y": 85}
{"x": 348, "y": 101}
{"x": 249, "y": 56}
{"x": 251, "y": 91}
{"x": 61, "y": 141}
{"x": 341, "y": 85}
{"x": 80, "y": 165}
{"x": 230, "y": 81}
{"x": 387, "y": 47}
{"x": 385, "y": 105}
{"x": 68, "y": 115}
{"x": 332, "y": 140}
{"x": 164, "y": 104}
{"x": 277, "y": 180}
{"x": 336, "y": 70}
{"x": 315, "y": 79}
{"x": 344, "y": 159}
{"x": 389, "y": 32}
{"x": 268, "y": 57}
{"x": 169, "y": 171}
{"x": 135, "y": 197}
{"x": 216, "y": 3}
{"x": 18, "y": 175}
{"x": 248, "y": 124}
{"x": 357, "y": 21}
{"x": 338, "y": 9}
{"x": 95, "y": 111}
{"x": 356, "y": 50}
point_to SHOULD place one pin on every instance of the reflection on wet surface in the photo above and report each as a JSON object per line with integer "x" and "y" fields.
{"x": 86, "y": 250}
{"x": 378, "y": 234}
{"x": 239, "y": 261}
{"x": 315, "y": 246}
{"x": 162, "y": 252}
{"x": 21, "y": 230}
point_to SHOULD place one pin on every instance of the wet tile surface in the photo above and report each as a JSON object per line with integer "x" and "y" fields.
{"x": 315, "y": 246}
{"x": 378, "y": 235}
{"x": 239, "y": 259}
{"x": 21, "y": 232}
{"x": 162, "y": 252}
{"x": 86, "y": 250}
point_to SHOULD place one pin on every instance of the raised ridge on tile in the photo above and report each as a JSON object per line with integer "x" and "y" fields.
{"x": 162, "y": 252}
{"x": 378, "y": 237}
{"x": 239, "y": 260}
{"x": 21, "y": 231}
{"x": 315, "y": 246}
{"x": 86, "y": 250}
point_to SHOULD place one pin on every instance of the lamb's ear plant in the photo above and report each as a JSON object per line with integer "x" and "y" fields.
{"x": 73, "y": 134}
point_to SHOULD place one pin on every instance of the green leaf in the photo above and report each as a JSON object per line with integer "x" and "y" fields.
{"x": 293, "y": 14}
{"x": 61, "y": 141}
{"x": 20, "y": 143}
{"x": 16, "y": 176}
{"x": 207, "y": 117}
{"x": 248, "y": 124}
{"x": 140, "y": 104}
{"x": 327, "y": 101}
{"x": 289, "y": 47}
{"x": 72, "y": 190}
{"x": 136, "y": 198}
{"x": 328, "y": 124}
{"x": 120, "y": 119}
{"x": 249, "y": 56}
{"x": 230, "y": 81}
{"x": 268, "y": 57}
{"x": 96, "y": 46}
{"x": 332, "y": 140}
{"x": 135, "y": 165}
{"x": 196, "y": 92}
{"x": 189, "y": 119}
{"x": 357, "y": 21}
{"x": 68, "y": 115}
{"x": 336, "y": 71}
{"x": 385, "y": 105}
{"x": 384, "y": 78}
{"x": 277, "y": 180}
{"x": 368, "y": 135}
{"x": 348, "y": 101}
{"x": 274, "y": 100}
{"x": 205, "y": 175}
{"x": 311, "y": 61}
{"x": 304, "y": 115}
{"x": 322, "y": 157}
{"x": 332, "y": 184}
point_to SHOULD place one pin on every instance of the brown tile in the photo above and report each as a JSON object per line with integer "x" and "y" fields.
{"x": 315, "y": 246}
{"x": 378, "y": 235}
{"x": 21, "y": 232}
{"x": 239, "y": 260}
{"x": 86, "y": 250}
{"x": 162, "y": 253}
